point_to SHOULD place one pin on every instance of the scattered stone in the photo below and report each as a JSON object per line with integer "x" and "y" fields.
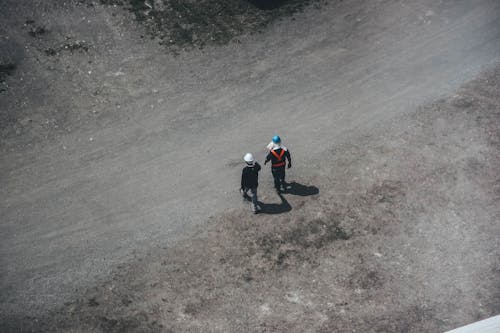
{"x": 50, "y": 51}
{"x": 73, "y": 46}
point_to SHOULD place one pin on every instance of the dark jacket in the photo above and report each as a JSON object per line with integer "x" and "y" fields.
{"x": 250, "y": 176}
{"x": 278, "y": 163}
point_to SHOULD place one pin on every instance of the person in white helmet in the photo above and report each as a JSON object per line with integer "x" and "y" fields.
{"x": 250, "y": 180}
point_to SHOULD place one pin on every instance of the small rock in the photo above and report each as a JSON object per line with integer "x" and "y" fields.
{"x": 429, "y": 13}
{"x": 264, "y": 308}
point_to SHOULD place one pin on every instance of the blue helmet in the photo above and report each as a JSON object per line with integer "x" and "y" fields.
{"x": 276, "y": 139}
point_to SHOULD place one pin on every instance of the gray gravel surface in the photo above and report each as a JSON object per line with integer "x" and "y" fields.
{"x": 113, "y": 149}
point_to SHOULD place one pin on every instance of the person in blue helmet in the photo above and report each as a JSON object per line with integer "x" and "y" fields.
{"x": 278, "y": 155}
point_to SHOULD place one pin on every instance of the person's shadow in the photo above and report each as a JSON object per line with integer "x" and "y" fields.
{"x": 267, "y": 4}
{"x": 275, "y": 208}
{"x": 295, "y": 188}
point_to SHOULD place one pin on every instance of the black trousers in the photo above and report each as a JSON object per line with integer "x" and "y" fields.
{"x": 279, "y": 176}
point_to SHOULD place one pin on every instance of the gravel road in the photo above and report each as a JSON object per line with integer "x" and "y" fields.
{"x": 116, "y": 153}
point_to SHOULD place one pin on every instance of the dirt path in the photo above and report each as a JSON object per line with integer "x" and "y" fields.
{"x": 113, "y": 152}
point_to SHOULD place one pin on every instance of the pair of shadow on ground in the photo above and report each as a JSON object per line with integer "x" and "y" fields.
{"x": 269, "y": 4}
{"x": 293, "y": 188}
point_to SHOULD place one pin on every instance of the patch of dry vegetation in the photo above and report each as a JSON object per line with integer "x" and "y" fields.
{"x": 185, "y": 23}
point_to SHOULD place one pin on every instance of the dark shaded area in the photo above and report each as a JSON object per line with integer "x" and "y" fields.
{"x": 281, "y": 248}
{"x": 5, "y": 70}
{"x": 275, "y": 208}
{"x": 317, "y": 233}
{"x": 11, "y": 56}
{"x": 295, "y": 188}
{"x": 268, "y": 5}
{"x": 181, "y": 24}
{"x": 37, "y": 31}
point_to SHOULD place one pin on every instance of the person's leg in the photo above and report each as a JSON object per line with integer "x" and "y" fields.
{"x": 275, "y": 172}
{"x": 253, "y": 192}
{"x": 244, "y": 194}
{"x": 281, "y": 176}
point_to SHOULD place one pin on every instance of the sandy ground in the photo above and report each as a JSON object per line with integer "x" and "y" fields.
{"x": 120, "y": 165}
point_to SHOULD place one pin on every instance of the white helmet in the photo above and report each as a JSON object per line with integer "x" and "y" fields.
{"x": 249, "y": 158}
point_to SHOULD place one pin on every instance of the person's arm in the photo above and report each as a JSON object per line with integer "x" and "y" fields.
{"x": 257, "y": 167}
{"x": 268, "y": 157}
{"x": 242, "y": 179}
{"x": 289, "y": 158}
